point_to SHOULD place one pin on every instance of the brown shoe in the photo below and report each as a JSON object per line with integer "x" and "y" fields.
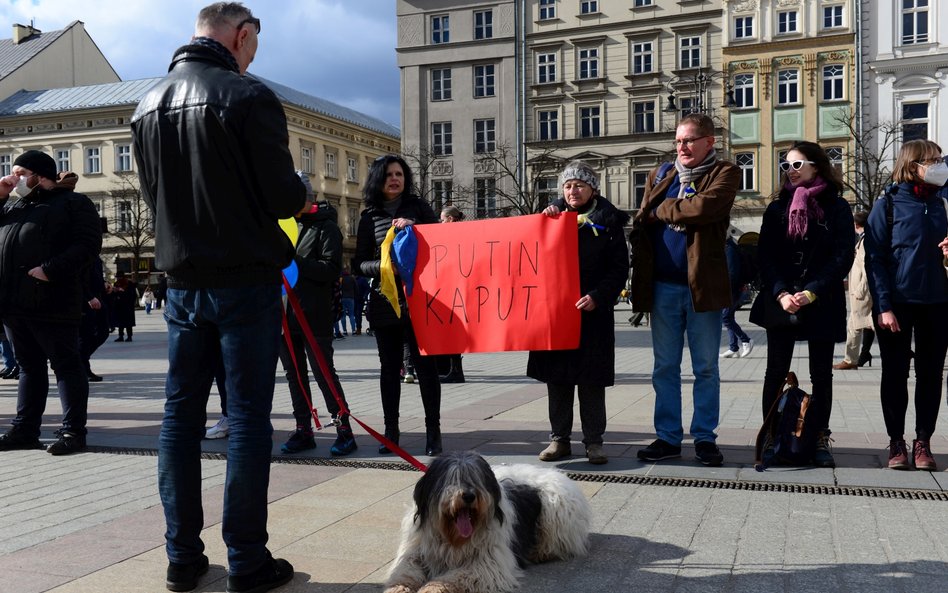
{"x": 845, "y": 366}
{"x": 555, "y": 451}
{"x": 898, "y": 455}
{"x": 922, "y": 453}
{"x": 595, "y": 455}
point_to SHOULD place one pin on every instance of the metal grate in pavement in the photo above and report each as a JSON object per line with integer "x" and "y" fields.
{"x": 743, "y": 485}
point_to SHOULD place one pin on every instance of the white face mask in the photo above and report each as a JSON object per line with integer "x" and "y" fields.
{"x": 22, "y": 189}
{"x": 936, "y": 174}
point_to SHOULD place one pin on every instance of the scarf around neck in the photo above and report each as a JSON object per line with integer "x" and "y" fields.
{"x": 803, "y": 207}
{"x": 688, "y": 176}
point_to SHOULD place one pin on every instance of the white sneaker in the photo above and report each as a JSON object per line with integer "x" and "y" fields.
{"x": 728, "y": 353}
{"x": 746, "y": 348}
{"x": 219, "y": 430}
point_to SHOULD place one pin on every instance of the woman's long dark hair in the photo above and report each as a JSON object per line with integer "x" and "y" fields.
{"x": 373, "y": 194}
{"x": 824, "y": 168}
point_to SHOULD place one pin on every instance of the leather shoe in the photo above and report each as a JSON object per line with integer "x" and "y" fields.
{"x": 274, "y": 573}
{"x": 433, "y": 442}
{"x": 93, "y": 378}
{"x": 184, "y": 577}
{"x": 845, "y": 366}
{"x": 392, "y": 435}
{"x": 555, "y": 451}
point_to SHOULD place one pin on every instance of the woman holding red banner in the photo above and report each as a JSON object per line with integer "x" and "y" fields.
{"x": 603, "y": 271}
{"x": 389, "y": 202}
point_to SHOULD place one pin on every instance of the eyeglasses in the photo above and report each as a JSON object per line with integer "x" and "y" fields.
{"x": 795, "y": 165}
{"x": 930, "y": 162}
{"x": 689, "y": 142}
{"x": 252, "y": 20}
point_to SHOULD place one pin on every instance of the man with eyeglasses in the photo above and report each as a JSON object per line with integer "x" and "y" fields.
{"x": 680, "y": 276}
{"x": 213, "y": 155}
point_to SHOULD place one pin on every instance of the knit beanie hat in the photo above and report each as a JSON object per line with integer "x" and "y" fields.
{"x": 39, "y": 163}
{"x": 581, "y": 171}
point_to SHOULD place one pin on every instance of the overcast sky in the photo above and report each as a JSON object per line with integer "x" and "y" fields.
{"x": 340, "y": 50}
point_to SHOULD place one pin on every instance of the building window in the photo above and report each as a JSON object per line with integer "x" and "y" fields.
{"x": 833, "y": 16}
{"x": 485, "y": 198}
{"x": 547, "y": 9}
{"x": 547, "y": 191}
{"x": 548, "y": 125}
{"x": 833, "y": 82}
{"x": 352, "y": 170}
{"x": 93, "y": 160}
{"x": 62, "y": 160}
{"x": 643, "y": 3}
{"x": 914, "y": 121}
{"x": 306, "y": 159}
{"x": 686, "y": 106}
{"x": 441, "y": 138}
{"x": 484, "y": 81}
{"x": 835, "y": 154}
{"x": 331, "y": 165}
{"x": 483, "y": 24}
{"x": 643, "y": 117}
{"x": 642, "y": 57}
{"x": 787, "y": 22}
{"x": 781, "y": 157}
{"x": 690, "y": 52}
{"x": 589, "y": 122}
{"x": 745, "y": 160}
{"x": 484, "y": 135}
{"x": 639, "y": 183}
{"x": 589, "y": 63}
{"x": 6, "y": 165}
{"x": 546, "y": 68}
{"x": 743, "y": 27}
{"x": 123, "y": 157}
{"x": 123, "y": 216}
{"x": 352, "y": 221}
{"x": 788, "y": 87}
{"x": 744, "y": 91}
{"x": 441, "y": 84}
{"x": 442, "y": 191}
{"x": 588, "y": 7}
{"x": 440, "y": 32}
{"x": 914, "y": 21}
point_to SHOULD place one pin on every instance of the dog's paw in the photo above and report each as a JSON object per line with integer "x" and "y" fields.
{"x": 438, "y": 587}
{"x": 399, "y": 589}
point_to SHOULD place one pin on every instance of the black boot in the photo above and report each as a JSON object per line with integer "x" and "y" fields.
{"x": 433, "y": 442}
{"x": 456, "y": 374}
{"x": 392, "y": 434}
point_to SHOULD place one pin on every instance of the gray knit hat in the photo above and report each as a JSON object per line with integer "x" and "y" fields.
{"x": 581, "y": 171}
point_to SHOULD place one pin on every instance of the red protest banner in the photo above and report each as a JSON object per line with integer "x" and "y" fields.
{"x": 497, "y": 285}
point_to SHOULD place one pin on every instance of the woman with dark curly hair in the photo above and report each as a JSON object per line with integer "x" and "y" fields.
{"x": 389, "y": 202}
{"x": 805, "y": 251}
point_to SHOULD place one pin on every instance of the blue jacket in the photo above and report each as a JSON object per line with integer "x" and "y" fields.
{"x": 904, "y": 263}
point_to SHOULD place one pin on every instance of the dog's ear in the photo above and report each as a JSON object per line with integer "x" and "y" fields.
{"x": 493, "y": 488}
{"x": 422, "y": 495}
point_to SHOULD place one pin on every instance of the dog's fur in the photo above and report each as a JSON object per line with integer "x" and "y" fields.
{"x": 511, "y": 515}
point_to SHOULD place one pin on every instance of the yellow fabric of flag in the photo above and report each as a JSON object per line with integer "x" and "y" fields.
{"x": 388, "y": 288}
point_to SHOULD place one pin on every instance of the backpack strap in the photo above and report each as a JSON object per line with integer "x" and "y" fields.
{"x": 663, "y": 170}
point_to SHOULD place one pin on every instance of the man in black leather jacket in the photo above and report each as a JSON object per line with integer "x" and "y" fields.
{"x": 48, "y": 239}
{"x": 214, "y": 162}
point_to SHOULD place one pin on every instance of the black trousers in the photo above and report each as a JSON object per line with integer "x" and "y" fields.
{"x": 302, "y": 352}
{"x": 390, "y": 341}
{"x": 592, "y": 411}
{"x": 928, "y": 323}
{"x": 35, "y": 343}
{"x": 780, "y": 345}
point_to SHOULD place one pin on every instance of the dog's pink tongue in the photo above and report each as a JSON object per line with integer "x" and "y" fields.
{"x": 464, "y": 524}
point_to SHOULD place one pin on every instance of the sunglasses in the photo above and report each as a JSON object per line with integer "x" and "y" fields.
{"x": 251, "y": 20}
{"x": 795, "y": 165}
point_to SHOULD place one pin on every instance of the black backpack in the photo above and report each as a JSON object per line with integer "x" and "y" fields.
{"x": 788, "y": 435}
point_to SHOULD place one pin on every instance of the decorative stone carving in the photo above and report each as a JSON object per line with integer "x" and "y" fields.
{"x": 411, "y": 30}
{"x": 787, "y": 3}
{"x": 743, "y": 5}
{"x": 486, "y": 165}
{"x": 442, "y": 167}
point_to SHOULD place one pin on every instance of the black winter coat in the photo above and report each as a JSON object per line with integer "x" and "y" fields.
{"x": 213, "y": 157}
{"x": 59, "y": 230}
{"x": 319, "y": 259}
{"x": 373, "y": 226}
{"x": 819, "y": 263}
{"x": 603, "y": 271}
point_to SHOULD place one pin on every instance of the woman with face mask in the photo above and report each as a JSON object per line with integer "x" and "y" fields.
{"x": 904, "y": 264}
{"x": 805, "y": 251}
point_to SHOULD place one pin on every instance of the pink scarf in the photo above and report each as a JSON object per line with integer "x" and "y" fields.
{"x": 803, "y": 206}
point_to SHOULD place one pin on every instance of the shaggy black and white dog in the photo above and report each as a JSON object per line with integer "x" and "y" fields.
{"x": 473, "y": 527}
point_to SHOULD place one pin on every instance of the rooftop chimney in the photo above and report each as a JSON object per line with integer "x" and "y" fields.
{"x": 23, "y": 32}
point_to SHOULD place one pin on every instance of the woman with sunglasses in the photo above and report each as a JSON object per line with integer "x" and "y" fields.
{"x": 805, "y": 251}
{"x": 904, "y": 263}
{"x": 389, "y": 202}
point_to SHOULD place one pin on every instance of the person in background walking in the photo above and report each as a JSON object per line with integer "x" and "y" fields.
{"x": 349, "y": 289}
{"x": 124, "y": 298}
{"x": 148, "y": 300}
{"x": 739, "y": 344}
{"x": 859, "y": 332}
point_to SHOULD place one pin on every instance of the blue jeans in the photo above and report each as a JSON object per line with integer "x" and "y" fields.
{"x": 348, "y": 312}
{"x": 734, "y": 332}
{"x": 672, "y": 318}
{"x": 6, "y": 350}
{"x": 242, "y": 327}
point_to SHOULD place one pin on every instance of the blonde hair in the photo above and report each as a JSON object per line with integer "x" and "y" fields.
{"x": 912, "y": 152}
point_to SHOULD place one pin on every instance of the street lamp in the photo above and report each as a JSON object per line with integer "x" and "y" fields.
{"x": 700, "y": 86}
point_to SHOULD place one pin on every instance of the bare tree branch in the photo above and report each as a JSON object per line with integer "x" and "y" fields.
{"x": 137, "y": 234}
{"x": 867, "y": 167}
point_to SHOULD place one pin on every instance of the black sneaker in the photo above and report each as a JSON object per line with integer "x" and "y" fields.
{"x": 659, "y": 450}
{"x": 69, "y": 442}
{"x": 274, "y": 573}
{"x": 184, "y": 577}
{"x": 16, "y": 439}
{"x": 708, "y": 453}
{"x": 300, "y": 440}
